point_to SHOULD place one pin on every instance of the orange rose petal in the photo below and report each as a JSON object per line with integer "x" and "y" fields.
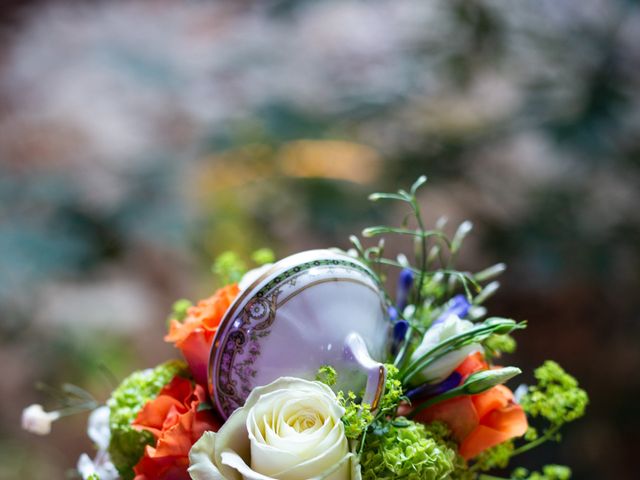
{"x": 494, "y": 398}
{"x": 480, "y": 439}
{"x": 181, "y": 426}
{"x": 472, "y": 363}
{"x": 196, "y": 350}
{"x": 458, "y": 413}
{"x": 194, "y": 335}
{"x": 176, "y": 441}
{"x": 154, "y": 413}
{"x": 511, "y": 420}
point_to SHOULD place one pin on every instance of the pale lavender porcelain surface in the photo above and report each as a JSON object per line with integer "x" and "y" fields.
{"x": 295, "y": 319}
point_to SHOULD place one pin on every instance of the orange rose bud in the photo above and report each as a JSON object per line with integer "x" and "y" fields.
{"x": 481, "y": 421}
{"x": 194, "y": 335}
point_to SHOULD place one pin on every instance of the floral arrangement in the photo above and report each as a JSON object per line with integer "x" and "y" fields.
{"x": 444, "y": 411}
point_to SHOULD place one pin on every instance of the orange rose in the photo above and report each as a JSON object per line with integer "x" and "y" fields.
{"x": 194, "y": 335}
{"x": 479, "y": 421}
{"x": 174, "y": 420}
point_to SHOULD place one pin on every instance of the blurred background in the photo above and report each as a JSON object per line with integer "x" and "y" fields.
{"x": 140, "y": 139}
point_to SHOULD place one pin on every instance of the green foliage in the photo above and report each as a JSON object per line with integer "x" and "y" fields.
{"x": 229, "y": 268}
{"x": 557, "y": 396}
{"x": 93, "y": 476}
{"x": 549, "y": 472}
{"x": 127, "y": 444}
{"x": 406, "y": 450}
{"x": 327, "y": 375}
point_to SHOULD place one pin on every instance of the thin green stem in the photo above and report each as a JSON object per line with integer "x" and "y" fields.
{"x": 548, "y": 435}
{"x": 423, "y": 256}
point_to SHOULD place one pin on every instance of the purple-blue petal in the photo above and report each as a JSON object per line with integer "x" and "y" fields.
{"x": 427, "y": 390}
{"x": 405, "y": 284}
{"x": 458, "y": 305}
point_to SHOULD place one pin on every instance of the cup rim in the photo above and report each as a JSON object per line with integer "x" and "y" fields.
{"x": 284, "y": 264}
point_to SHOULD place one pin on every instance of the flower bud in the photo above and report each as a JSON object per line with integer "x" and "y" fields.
{"x": 36, "y": 420}
{"x": 482, "y": 381}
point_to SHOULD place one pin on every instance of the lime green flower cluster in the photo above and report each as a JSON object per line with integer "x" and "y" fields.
{"x": 327, "y": 375}
{"x": 229, "y": 267}
{"x": 127, "y": 444}
{"x": 498, "y": 344}
{"x": 556, "y": 397}
{"x": 406, "y": 450}
{"x": 357, "y": 416}
{"x": 495, "y": 457}
{"x": 393, "y": 392}
{"x": 549, "y": 472}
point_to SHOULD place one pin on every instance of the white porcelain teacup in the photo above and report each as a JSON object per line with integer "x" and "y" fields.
{"x": 311, "y": 309}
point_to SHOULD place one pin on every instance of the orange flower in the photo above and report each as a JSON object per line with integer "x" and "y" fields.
{"x": 479, "y": 421}
{"x": 174, "y": 420}
{"x": 194, "y": 335}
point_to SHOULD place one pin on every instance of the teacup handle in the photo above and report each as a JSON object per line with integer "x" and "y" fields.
{"x": 355, "y": 350}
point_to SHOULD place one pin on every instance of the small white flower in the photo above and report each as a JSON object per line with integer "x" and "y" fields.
{"x": 520, "y": 392}
{"x": 98, "y": 428}
{"x": 98, "y": 431}
{"x": 36, "y": 420}
{"x": 444, "y": 366}
{"x": 101, "y": 466}
{"x": 253, "y": 275}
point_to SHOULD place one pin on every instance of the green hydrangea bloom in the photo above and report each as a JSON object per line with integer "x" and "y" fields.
{"x": 406, "y": 450}
{"x": 127, "y": 444}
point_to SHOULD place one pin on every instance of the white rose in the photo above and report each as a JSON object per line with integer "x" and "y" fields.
{"x": 444, "y": 366}
{"x": 36, "y": 420}
{"x": 290, "y": 429}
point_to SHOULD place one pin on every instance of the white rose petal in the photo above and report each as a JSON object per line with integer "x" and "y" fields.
{"x": 290, "y": 429}
{"x": 36, "y": 420}
{"x": 444, "y": 366}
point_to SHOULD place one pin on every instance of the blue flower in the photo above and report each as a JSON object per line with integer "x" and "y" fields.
{"x": 405, "y": 284}
{"x": 458, "y": 306}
